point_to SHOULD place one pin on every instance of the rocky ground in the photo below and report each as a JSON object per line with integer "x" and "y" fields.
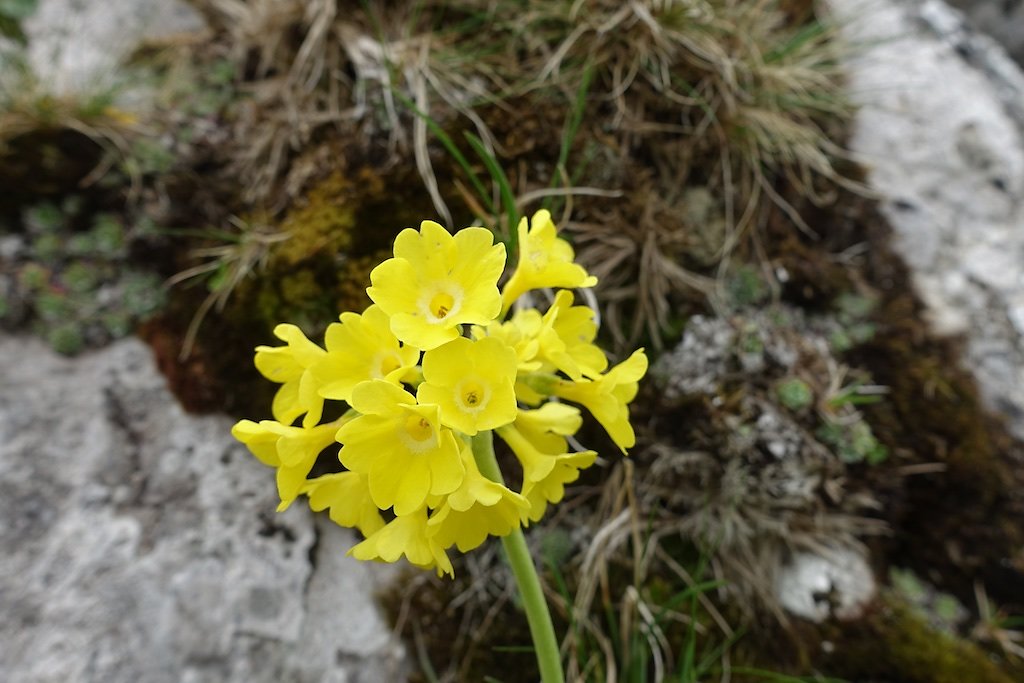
{"x": 145, "y": 546}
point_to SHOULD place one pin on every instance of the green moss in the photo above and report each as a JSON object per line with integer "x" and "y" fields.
{"x": 339, "y": 230}
{"x": 353, "y": 278}
{"x": 941, "y": 610}
{"x": 896, "y": 643}
{"x": 322, "y": 222}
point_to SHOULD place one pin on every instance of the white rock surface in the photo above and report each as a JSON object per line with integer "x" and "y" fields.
{"x": 838, "y": 583}
{"x": 1003, "y": 19}
{"x": 940, "y": 130}
{"x": 141, "y": 543}
{"x": 75, "y": 46}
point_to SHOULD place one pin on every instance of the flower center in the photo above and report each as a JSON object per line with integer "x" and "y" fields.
{"x": 473, "y": 395}
{"x": 387, "y": 363}
{"x": 441, "y": 305}
{"x": 418, "y": 428}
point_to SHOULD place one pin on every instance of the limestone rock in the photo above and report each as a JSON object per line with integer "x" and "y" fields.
{"x": 941, "y": 131}
{"x": 1003, "y": 19}
{"x": 75, "y": 46}
{"x": 836, "y": 583}
{"x": 141, "y": 543}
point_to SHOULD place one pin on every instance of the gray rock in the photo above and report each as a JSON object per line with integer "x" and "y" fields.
{"x": 76, "y": 46}
{"x": 941, "y": 130}
{"x": 759, "y": 481}
{"x": 141, "y": 543}
{"x": 1002, "y": 19}
{"x": 836, "y": 582}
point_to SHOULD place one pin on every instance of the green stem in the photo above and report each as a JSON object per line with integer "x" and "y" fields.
{"x": 537, "y": 615}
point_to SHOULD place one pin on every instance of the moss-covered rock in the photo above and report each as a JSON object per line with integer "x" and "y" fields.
{"x": 897, "y": 643}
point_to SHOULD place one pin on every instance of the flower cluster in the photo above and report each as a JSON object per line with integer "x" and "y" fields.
{"x": 433, "y": 362}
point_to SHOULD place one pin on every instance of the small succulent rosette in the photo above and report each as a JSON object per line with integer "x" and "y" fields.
{"x": 433, "y": 362}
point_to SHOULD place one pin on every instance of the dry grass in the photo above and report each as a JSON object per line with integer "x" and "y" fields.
{"x": 729, "y": 75}
{"x": 27, "y": 106}
{"x": 243, "y": 252}
{"x": 635, "y": 252}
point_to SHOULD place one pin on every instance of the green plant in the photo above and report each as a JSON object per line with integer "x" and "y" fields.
{"x": 66, "y": 338}
{"x": 853, "y": 313}
{"x": 80, "y": 277}
{"x": 47, "y": 247}
{"x": 33, "y": 276}
{"x": 746, "y": 287}
{"x": 243, "y": 250}
{"x": 44, "y": 217}
{"x": 107, "y": 235}
{"x": 854, "y": 443}
{"x": 142, "y": 293}
{"x": 795, "y": 394}
{"x": 57, "y": 280}
{"x": 996, "y": 626}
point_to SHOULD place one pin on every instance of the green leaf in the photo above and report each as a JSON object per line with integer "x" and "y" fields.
{"x": 499, "y": 177}
{"x": 449, "y": 145}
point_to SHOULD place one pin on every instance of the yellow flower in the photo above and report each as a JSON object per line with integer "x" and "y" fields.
{"x": 436, "y": 282}
{"x": 547, "y": 426}
{"x": 292, "y": 450}
{"x": 400, "y": 446}
{"x": 607, "y": 397}
{"x": 406, "y": 535}
{"x": 361, "y": 348}
{"x": 348, "y": 497}
{"x": 289, "y": 366}
{"x": 564, "y": 339}
{"x": 520, "y": 332}
{"x": 472, "y": 383}
{"x": 537, "y": 439}
{"x": 545, "y": 260}
{"x": 478, "y": 509}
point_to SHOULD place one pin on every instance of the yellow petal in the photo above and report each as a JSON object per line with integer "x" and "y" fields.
{"x": 379, "y": 397}
{"x": 348, "y": 497}
{"x": 394, "y": 287}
